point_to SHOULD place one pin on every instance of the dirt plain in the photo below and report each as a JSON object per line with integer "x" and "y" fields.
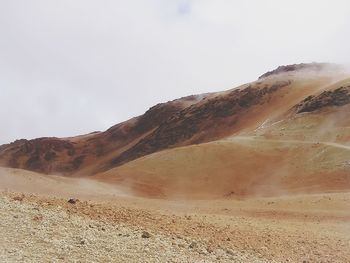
{"x": 45, "y": 227}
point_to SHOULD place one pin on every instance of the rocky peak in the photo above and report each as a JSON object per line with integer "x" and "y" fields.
{"x": 295, "y": 67}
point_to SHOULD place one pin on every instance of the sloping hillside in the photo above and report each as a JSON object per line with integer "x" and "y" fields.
{"x": 88, "y": 153}
{"x": 298, "y": 142}
{"x": 288, "y": 131}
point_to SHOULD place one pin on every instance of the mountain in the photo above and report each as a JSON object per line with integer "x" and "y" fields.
{"x": 286, "y": 132}
{"x": 91, "y": 152}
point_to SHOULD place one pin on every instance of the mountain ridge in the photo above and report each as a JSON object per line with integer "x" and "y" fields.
{"x": 280, "y": 95}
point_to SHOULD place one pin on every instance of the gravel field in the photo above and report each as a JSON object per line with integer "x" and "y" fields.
{"x": 303, "y": 229}
{"x": 31, "y": 232}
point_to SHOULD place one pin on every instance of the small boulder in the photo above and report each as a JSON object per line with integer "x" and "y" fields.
{"x": 73, "y": 201}
{"x": 18, "y": 198}
{"x": 145, "y": 234}
{"x": 193, "y": 244}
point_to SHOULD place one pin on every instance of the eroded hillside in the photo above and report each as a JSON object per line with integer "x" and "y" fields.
{"x": 288, "y": 130}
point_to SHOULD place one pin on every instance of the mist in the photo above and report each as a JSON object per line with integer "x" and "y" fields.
{"x": 73, "y": 67}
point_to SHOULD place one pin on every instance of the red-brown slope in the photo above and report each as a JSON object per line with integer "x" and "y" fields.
{"x": 295, "y": 152}
{"x": 223, "y": 114}
{"x": 205, "y": 121}
{"x": 68, "y": 156}
{"x": 186, "y": 121}
{"x": 294, "y": 140}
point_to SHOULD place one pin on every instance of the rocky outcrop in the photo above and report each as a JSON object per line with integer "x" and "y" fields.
{"x": 337, "y": 97}
{"x": 42, "y": 155}
{"x": 295, "y": 67}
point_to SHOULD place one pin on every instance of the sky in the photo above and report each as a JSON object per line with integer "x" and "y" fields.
{"x": 74, "y": 67}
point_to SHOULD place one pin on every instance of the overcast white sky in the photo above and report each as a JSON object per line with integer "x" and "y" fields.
{"x": 70, "y": 67}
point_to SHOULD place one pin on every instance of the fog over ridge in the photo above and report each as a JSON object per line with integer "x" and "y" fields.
{"x": 72, "y": 67}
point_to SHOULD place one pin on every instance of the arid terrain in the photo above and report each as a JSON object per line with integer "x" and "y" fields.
{"x": 298, "y": 228}
{"x": 258, "y": 173}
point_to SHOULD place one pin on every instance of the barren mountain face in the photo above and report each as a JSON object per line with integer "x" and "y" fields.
{"x": 258, "y": 173}
{"x": 247, "y": 140}
{"x": 67, "y": 156}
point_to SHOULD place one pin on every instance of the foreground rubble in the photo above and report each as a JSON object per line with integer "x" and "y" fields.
{"x": 43, "y": 229}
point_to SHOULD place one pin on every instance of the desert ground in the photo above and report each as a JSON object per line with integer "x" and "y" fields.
{"x": 106, "y": 224}
{"x": 258, "y": 173}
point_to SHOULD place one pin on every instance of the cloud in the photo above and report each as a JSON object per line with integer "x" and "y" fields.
{"x": 71, "y": 67}
{"x": 184, "y": 8}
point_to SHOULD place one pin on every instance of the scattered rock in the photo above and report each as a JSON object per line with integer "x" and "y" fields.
{"x": 78, "y": 239}
{"x": 18, "y": 198}
{"x": 181, "y": 245}
{"x": 37, "y": 218}
{"x": 210, "y": 250}
{"x": 73, "y": 201}
{"x": 230, "y": 252}
{"x": 193, "y": 244}
{"x": 145, "y": 234}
